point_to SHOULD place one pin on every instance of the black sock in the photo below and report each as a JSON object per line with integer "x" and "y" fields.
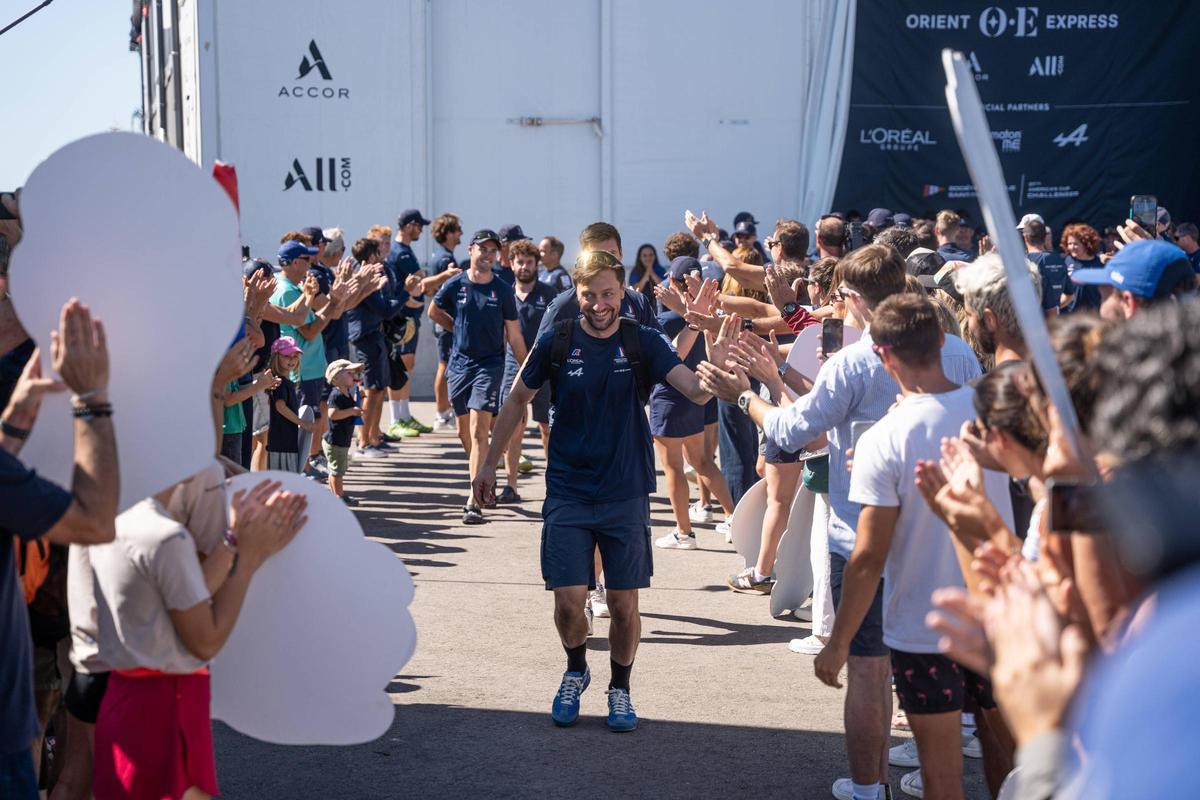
{"x": 577, "y": 658}
{"x": 620, "y": 676}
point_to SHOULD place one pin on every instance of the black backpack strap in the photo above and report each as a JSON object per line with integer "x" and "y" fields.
{"x": 558, "y": 352}
{"x": 631, "y": 343}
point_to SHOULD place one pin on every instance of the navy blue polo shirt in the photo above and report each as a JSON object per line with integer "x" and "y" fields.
{"x": 1055, "y": 281}
{"x": 530, "y": 312}
{"x": 29, "y": 507}
{"x": 479, "y": 311}
{"x": 600, "y": 447}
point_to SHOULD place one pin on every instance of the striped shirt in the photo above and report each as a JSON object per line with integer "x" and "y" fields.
{"x": 851, "y": 386}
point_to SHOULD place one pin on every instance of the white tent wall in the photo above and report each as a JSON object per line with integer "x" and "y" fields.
{"x": 349, "y": 112}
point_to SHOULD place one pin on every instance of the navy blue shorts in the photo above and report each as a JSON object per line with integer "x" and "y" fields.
{"x": 774, "y": 454}
{"x": 397, "y": 372}
{"x": 473, "y": 385}
{"x": 311, "y": 392}
{"x": 710, "y": 412}
{"x": 540, "y": 404}
{"x": 868, "y": 639}
{"x": 931, "y": 683}
{"x": 445, "y": 343}
{"x": 410, "y": 347}
{"x": 674, "y": 416}
{"x": 572, "y": 531}
{"x": 372, "y": 352}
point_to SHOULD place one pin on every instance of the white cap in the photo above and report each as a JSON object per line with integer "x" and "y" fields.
{"x": 1029, "y": 218}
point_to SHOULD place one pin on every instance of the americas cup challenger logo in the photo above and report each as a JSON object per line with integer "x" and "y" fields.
{"x": 313, "y": 68}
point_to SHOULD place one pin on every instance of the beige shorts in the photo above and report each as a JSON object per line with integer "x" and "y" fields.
{"x": 262, "y": 413}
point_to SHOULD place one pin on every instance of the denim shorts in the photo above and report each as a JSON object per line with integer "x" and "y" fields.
{"x": 572, "y": 531}
{"x": 868, "y": 639}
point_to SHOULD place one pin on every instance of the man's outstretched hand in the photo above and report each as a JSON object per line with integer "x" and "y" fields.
{"x": 483, "y": 488}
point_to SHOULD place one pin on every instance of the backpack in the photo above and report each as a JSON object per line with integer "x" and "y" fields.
{"x": 630, "y": 343}
{"x": 33, "y": 565}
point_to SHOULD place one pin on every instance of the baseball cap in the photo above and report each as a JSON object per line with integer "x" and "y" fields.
{"x": 944, "y": 279}
{"x": 511, "y": 233}
{"x": 682, "y": 266}
{"x": 880, "y": 218}
{"x": 1163, "y": 216}
{"x": 409, "y": 216}
{"x": 293, "y": 250}
{"x": 252, "y": 266}
{"x": 745, "y": 228}
{"x": 1029, "y": 218}
{"x": 744, "y": 216}
{"x": 485, "y": 235}
{"x": 1149, "y": 268}
{"x": 314, "y": 234}
{"x": 902, "y": 220}
{"x": 284, "y": 346}
{"x": 340, "y": 365}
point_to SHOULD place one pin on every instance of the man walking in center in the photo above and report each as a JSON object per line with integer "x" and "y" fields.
{"x": 481, "y": 310}
{"x": 599, "y": 473}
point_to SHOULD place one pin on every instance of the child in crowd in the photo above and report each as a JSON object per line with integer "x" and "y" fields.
{"x": 283, "y": 434}
{"x": 343, "y": 409}
{"x": 234, "y": 423}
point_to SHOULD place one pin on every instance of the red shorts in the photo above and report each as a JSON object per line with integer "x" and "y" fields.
{"x": 154, "y": 737}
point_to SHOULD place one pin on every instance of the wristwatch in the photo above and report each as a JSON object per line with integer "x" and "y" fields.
{"x": 783, "y": 368}
{"x": 789, "y": 309}
{"x": 708, "y": 240}
{"x": 748, "y": 325}
{"x": 744, "y": 400}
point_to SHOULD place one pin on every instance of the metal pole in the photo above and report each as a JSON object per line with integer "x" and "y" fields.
{"x": 24, "y": 17}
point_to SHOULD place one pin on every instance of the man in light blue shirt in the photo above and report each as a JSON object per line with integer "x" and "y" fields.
{"x": 851, "y": 386}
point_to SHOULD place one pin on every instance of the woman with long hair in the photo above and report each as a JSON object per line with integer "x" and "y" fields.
{"x": 646, "y": 272}
{"x": 1082, "y": 244}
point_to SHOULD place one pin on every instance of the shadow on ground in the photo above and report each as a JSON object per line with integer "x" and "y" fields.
{"x": 444, "y": 751}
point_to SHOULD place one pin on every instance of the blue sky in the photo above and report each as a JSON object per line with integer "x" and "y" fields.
{"x": 67, "y": 72}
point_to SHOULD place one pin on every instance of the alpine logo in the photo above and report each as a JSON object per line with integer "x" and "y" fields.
{"x": 318, "y": 62}
{"x": 313, "y": 62}
{"x": 329, "y": 175}
{"x": 1047, "y": 66}
{"x": 575, "y": 373}
{"x": 1075, "y": 137}
{"x": 931, "y": 189}
{"x": 976, "y": 69}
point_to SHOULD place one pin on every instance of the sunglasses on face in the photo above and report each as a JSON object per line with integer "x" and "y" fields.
{"x": 844, "y": 293}
{"x": 771, "y": 242}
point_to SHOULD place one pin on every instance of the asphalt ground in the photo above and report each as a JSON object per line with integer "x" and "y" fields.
{"x": 725, "y": 709}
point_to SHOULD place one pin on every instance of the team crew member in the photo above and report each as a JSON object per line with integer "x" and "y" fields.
{"x": 481, "y": 311}
{"x": 599, "y": 473}
{"x": 364, "y": 323}
{"x": 677, "y": 423}
{"x": 508, "y": 235}
{"x": 553, "y": 272}
{"x": 402, "y": 261}
{"x": 447, "y": 233}
{"x": 533, "y": 297}
{"x": 902, "y": 543}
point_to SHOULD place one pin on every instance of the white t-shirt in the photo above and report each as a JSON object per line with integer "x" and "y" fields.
{"x": 149, "y": 570}
{"x": 922, "y": 556}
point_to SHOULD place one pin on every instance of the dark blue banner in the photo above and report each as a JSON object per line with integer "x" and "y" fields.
{"x": 1088, "y": 102}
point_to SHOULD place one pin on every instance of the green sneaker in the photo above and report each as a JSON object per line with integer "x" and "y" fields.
{"x": 419, "y": 427}
{"x": 402, "y": 430}
{"x": 524, "y": 464}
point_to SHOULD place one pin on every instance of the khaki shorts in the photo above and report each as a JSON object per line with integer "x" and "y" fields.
{"x": 262, "y": 413}
{"x": 338, "y": 458}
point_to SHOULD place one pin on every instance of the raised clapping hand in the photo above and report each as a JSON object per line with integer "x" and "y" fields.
{"x": 750, "y": 353}
{"x": 670, "y": 297}
{"x": 79, "y": 350}
{"x": 26, "y": 399}
{"x": 265, "y": 520}
{"x": 268, "y": 381}
{"x": 778, "y": 289}
{"x": 237, "y": 361}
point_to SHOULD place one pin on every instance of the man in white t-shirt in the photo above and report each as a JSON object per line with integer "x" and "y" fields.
{"x": 900, "y": 540}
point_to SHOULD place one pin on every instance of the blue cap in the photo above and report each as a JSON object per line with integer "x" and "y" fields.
{"x": 902, "y": 220}
{"x": 251, "y": 266}
{"x": 293, "y": 249}
{"x": 1149, "y": 268}
{"x": 880, "y": 218}
{"x": 512, "y": 233}
{"x": 409, "y": 216}
{"x": 681, "y": 266}
{"x": 745, "y": 228}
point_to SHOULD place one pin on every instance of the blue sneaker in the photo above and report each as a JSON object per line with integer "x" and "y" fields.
{"x": 621, "y": 716}
{"x": 565, "y": 709}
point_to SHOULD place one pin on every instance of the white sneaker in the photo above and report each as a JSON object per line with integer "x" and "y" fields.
{"x": 599, "y": 602}
{"x": 971, "y": 746}
{"x": 809, "y": 645}
{"x": 912, "y": 784}
{"x": 441, "y": 423}
{"x": 699, "y": 513}
{"x": 689, "y": 472}
{"x": 843, "y": 789}
{"x": 905, "y": 755}
{"x": 674, "y": 541}
{"x": 726, "y": 529}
